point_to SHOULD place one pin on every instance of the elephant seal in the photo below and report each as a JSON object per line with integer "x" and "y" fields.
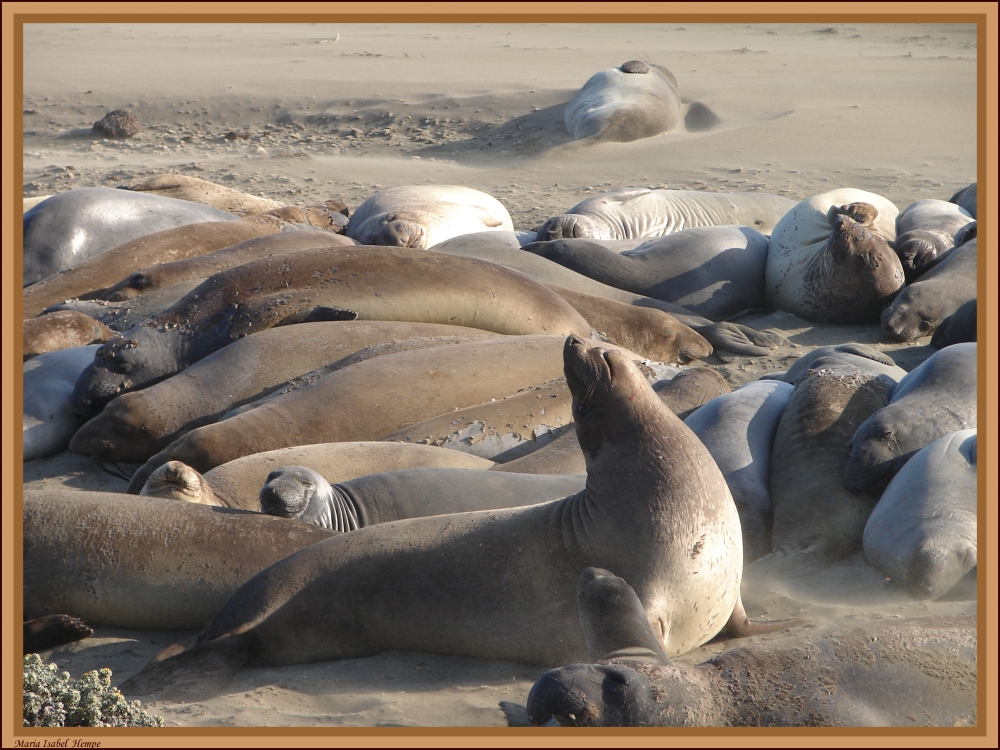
{"x": 185, "y": 188}
{"x": 144, "y": 562}
{"x": 711, "y": 271}
{"x": 139, "y": 424}
{"x": 958, "y": 328}
{"x": 628, "y": 213}
{"x": 421, "y": 216}
{"x": 927, "y": 230}
{"x": 51, "y": 631}
{"x": 62, "y": 329}
{"x": 49, "y": 422}
{"x": 334, "y": 283}
{"x": 967, "y": 198}
{"x": 178, "y": 481}
{"x": 120, "y": 316}
{"x": 70, "y": 227}
{"x": 164, "y": 274}
{"x": 237, "y": 483}
{"x": 302, "y": 494}
{"x": 738, "y": 428}
{"x": 656, "y": 509}
{"x": 814, "y": 514}
{"x": 940, "y": 292}
{"x": 922, "y": 533}
{"x": 829, "y": 260}
{"x": 936, "y": 399}
{"x": 636, "y": 100}
{"x": 836, "y": 676}
{"x": 865, "y": 358}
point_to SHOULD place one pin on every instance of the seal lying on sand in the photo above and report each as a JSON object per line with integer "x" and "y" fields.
{"x": 49, "y": 422}
{"x": 636, "y": 100}
{"x": 421, "y": 216}
{"x": 926, "y": 230}
{"x": 922, "y": 533}
{"x": 835, "y": 677}
{"x": 61, "y": 329}
{"x": 339, "y": 283}
{"x": 628, "y": 213}
{"x": 185, "y": 188}
{"x": 655, "y": 508}
{"x": 70, "y": 227}
{"x": 829, "y": 259}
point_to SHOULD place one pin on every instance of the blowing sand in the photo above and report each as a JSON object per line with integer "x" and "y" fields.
{"x": 319, "y": 111}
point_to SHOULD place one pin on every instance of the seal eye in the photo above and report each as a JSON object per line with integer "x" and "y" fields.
{"x": 581, "y": 409}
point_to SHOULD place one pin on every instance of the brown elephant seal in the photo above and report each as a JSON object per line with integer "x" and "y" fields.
{"x": 813, "y": 512}
{"x": 178, "y": 481}
{"x": 183, "y": 187}
{"x": 144, "y": 562}
{"x": 922, "y": 306}
{"x": 421, "y": 216}
{"x": 237, "y": 483}
{"x": 656, "y": 510}
{"x": 836, "y": 676}
{"x": 628, "y": 213}
{"x": 51, "y": 631}
{"x": 333, "y": 283}
{"x": 927, "y": 230}
{"x": 829, "y": 258}
{"x": 633, "y": 101}
{"x": 62, "y": 329}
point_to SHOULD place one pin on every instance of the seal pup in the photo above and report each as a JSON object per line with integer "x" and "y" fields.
{"x": 299, "y": 493}
{"x": 635, "y": 100}
{"x": 70, "y": 227}
{"x": 421, "y": 216}
{"x": 711, "y": 271}
{"x": 430, "y": 584}
{"x": 628, "y": 213}
{"x": 833, "y": 677}
{"x": 829, "y": 258}
{"x": 927, "y": 230}
{"x": 940, "y": 292}
{"x": 922, "y": 533}
{"x": 62, "y": 329}
{"x": 333, "y": 283}
{"x": 936, "y": 399}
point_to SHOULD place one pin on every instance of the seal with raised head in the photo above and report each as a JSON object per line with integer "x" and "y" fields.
{"x": 70, "y": 227}
{"x": 829, "y": 258}
{"x": 633, "y": 101}
{"x": 421, "y": 216}
{"x": 655, "y": 508}
{"x": 628, "y": 213}
{"x": 922, "y": 533}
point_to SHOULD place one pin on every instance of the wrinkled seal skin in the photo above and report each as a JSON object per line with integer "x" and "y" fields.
{"x": 936, "y": 399}
{"x": 630, "y": 213}
{"x": 829, "y": 259}
{"x": 338, "y": 283}
{"x": 711, "y": 271}
{"x": 813, "y": 512}
{"x": 178, "y": 481}
{"x": 634, "y": 101}
{"x": 926, "y": 230}
{"x": 70, "y": 227}
{"x": 738, "y": 429}
{"x": 939, "y": 293}
{"x": 922, "y": 533}
{"x": 300, "y": 493}
{"x": 656, "y": 510}
{"x": 62, "y": 329}
{"x": 144, "y": 562}
{"x": 834, "y": 677}
{"x": 421, "y": 216}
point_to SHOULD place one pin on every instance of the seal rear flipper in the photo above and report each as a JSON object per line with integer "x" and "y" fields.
{"x": 53, "y": 630}
{"x": 517, "y": 716}
{"x": 741, "y": 339}
{"x": 197, "y": 673}
{"x": 868, "y": 353}
{"x": 740, "y": 626}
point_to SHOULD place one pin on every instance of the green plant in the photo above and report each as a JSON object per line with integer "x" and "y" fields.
{"x": 54, "y": 700}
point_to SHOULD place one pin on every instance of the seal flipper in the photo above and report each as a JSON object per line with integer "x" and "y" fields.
{"x": 196, "y": 673}
{"x": 740, "y": 626}
{"x": 614, "y": 622}
{"x": 741, "y": 339}
{"x": 53, "y": 630}
{"x": 516, "y": 715}
{"x": 868, "y": 353}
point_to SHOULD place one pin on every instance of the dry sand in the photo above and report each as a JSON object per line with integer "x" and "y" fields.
{"x": 340, "y": 111}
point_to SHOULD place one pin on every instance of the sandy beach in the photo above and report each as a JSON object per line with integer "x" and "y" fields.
{"x": 307, "y": 112}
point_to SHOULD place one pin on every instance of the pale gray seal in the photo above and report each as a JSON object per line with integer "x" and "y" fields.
{"x": 958, "y": 328}
{"x": 926, "y": 230}
{"x": 49, "y": 422}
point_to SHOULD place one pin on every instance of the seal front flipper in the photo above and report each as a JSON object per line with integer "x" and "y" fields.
{"x": 614, "y": 623}
{"x": 197, "y": 673}
{"x": 741, "y": 339}
{"x": 516, "y": 715}
{"x": 53, "y": 630}
{"x": 740, "y": 626}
